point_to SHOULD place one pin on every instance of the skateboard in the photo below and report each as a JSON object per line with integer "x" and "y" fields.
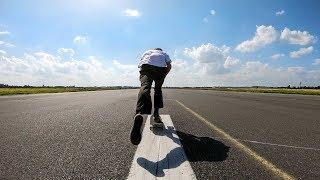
{"x": 154, "y": 125}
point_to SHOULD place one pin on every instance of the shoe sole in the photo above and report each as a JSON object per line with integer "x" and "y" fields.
{"x": 135, "y": 135}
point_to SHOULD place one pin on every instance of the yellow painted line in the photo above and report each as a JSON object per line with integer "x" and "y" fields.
{"x": 265, "y": 163}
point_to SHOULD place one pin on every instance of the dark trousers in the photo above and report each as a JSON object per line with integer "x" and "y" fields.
{"x": 148, "y": 74}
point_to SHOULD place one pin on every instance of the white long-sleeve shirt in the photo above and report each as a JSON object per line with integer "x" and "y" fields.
{"x": 155, "y": 58}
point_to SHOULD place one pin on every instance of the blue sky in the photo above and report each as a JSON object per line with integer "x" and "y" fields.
{"x": 211, "y": 43}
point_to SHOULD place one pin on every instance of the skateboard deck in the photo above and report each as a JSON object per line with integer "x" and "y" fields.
{"x": 154, "y": 125}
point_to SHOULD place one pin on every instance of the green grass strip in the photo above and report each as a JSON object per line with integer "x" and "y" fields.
{"x": 270, "y": 90}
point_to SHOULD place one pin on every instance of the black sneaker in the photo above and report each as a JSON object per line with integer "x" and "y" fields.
{"x": 135, "y": 135}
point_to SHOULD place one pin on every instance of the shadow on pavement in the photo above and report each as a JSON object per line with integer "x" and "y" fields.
{"x": 197, "y": 149}
{"x": 203, "y": 148}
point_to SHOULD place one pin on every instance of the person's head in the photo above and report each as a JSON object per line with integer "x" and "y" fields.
{"x": 159, "y": 49}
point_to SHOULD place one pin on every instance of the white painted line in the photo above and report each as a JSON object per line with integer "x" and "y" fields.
{"x": 160, "y": 155}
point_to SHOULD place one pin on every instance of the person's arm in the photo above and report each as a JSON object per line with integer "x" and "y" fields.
{"x": 168, "y": 67}
{"x": 168, "y": 62}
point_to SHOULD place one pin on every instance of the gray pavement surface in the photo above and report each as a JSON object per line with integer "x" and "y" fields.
{"x": 86, "y": 134}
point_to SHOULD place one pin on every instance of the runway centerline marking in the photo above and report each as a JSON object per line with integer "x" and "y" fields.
{"x": 262, "y": 161}
{"x": 160, "y": 154}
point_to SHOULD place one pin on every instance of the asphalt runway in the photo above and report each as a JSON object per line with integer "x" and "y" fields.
{"x": 225, "y": 135}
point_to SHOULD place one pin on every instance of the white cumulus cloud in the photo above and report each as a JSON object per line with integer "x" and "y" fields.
{"x": 213, "y": 12}
{"x": 296, "y": 69}
{"x": 66, "y": 51}
{"x": 3, "y": 52}
{"x": 255, "y": 66}
{"x": 207, "y": 53}
{"x": 4, "y": 33}
{"x": 208, "y": 65}
{"x": 264, "y": 35}
{"x": 297, "y": 37}
{"x": 211, "y": 59}
{"x": 131, "y": 13}
{"x": 80, "y": 40}
{"x": 213, "y": 66}
{"x": 301, "y": 52}
{"x": 6, "y": 44}
{"x": 277, "y": 56}
{"x": 43, "y": 68}
{"x": 279, "y": 13}
{"x": 124, "y": 67}
{"x": 250, "y": 73}
{"x": 126, "y": 74}
{"x": 316, "y": 62}
{"x": 230, "y": 62}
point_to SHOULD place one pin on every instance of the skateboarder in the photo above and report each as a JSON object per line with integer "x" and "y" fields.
{"x": 154, "y": 66}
